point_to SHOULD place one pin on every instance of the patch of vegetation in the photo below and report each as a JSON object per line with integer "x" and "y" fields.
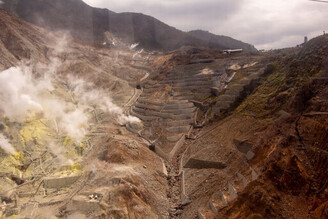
{"x": 270, "y": 69}
{"x": 285, "y": 78}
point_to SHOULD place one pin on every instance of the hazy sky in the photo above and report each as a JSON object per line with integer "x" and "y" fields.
{"x": 263, "y": 23}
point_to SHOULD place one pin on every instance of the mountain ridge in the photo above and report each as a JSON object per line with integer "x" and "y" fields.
{"x": 90, "y": 24}
{"x": 222, "y": 40}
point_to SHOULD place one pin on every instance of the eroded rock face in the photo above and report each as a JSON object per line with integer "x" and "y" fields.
{"x": 290, "y": 178}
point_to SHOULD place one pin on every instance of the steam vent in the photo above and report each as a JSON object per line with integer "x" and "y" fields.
{"x": 120, "y": 116}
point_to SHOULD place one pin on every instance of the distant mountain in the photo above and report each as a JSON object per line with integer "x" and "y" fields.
{"x": 90, "y": 24}
{"x": 221, "y": 41}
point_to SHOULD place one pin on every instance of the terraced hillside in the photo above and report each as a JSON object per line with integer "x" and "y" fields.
{"x": 174, "y": 106}
{"x": 234, "y": 117}
{"x": 169, "y": 107}
{"x": 257, "y": 160}
{"x": 238, "y": 89}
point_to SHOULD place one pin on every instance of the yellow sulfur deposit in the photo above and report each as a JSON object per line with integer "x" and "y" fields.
{"x": 33, "y": 130}
{"x": 10, "y": 164}
{"x": 74, "y": 168}
{"x": 18, "y": 156}
{"x": 77, "y": 167}
{"x": 68, "y": 141}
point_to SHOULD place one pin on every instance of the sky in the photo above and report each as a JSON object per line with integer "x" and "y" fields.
{"x": 267, "y": 24}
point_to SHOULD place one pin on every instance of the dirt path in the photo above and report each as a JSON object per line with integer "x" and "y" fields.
{"x": 174, "y": 179}
{"x": 174, "y": 192}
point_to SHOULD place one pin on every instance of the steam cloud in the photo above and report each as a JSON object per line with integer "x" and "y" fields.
{"x": 19, "y": 92}
{"x": 88, "y": 96}
{"x": 59, "y": 151}
{"x": 5, "y": 145}
{"x": 23, "y": 95}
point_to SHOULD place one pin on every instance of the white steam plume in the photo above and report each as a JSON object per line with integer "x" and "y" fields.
{"x": 22, "y": 95}
{"x": 28, "y": 91}
{"x": 59, "y": 152}
{"x": 88, "y": 96}
{"x": 67, "y": 118}
{"x": 19, "y": 92}
{"x": 5, "y": 145}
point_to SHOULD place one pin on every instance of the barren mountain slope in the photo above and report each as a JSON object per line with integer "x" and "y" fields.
{"x": 74, "y": 157}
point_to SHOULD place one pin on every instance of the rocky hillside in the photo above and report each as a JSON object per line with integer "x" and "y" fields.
{"x": 54, "y": 164}
{"x": 90, "y": 23}
{"x": 281, "y": 128}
